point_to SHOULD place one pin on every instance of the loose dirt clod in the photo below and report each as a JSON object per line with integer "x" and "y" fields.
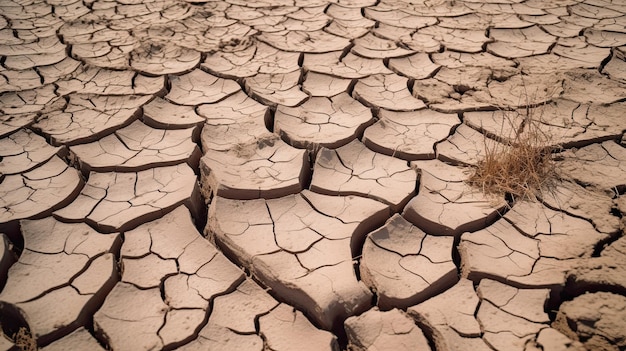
{"x": 24, "y": 340}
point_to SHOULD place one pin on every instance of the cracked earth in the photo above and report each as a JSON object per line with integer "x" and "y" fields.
{"x": 291, "y": 175}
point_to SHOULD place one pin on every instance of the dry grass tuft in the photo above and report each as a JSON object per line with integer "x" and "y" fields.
{"x": 521, "y": 168}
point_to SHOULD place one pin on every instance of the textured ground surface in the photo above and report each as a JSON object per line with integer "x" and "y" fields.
{"x": 290, "y": 174}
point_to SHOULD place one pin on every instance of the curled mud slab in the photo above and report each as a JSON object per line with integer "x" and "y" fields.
{"x": 271, "y": 175}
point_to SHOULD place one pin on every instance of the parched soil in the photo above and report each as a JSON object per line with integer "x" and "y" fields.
{"x": 292, "y": 175}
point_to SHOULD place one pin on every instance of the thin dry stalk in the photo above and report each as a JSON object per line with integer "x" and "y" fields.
{"x": 522, "y": 168}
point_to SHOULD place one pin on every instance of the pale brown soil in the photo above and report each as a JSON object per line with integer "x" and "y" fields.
{"x": 292, "y": 175}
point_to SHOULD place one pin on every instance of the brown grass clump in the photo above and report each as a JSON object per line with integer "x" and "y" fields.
{"x": 521, "y": 168}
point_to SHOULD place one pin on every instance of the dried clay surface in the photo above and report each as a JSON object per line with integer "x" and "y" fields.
{"x": 279, "y": 175}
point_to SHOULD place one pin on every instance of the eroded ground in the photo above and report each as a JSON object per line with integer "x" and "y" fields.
{"x": 290, "y": 175}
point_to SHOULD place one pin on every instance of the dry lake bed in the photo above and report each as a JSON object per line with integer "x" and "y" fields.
{"x": 292, "y": 175}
